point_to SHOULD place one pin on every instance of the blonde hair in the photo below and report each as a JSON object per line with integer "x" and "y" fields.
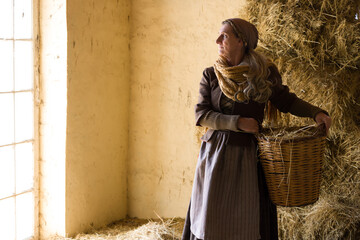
{"x": 258, "y": 86}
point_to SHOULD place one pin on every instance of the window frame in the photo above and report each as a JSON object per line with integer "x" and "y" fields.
{"x": 35, "y": 41}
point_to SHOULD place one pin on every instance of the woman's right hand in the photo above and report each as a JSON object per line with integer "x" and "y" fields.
{"x": 249, "y": 125}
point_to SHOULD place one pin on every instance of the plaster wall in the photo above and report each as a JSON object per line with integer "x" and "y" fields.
{"x": 97, "y": 112}
{"x": 171, "y": 43}
{"x": 117, "y": 117}
{"x": 53, "y": 107}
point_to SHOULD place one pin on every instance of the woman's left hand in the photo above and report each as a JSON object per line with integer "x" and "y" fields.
{"x": 323, "y": 118}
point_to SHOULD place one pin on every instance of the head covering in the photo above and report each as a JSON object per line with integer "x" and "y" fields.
{"x": 245, "y": 31}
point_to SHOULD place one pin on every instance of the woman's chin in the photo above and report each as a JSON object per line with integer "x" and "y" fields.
{"x": 221, "y": 54}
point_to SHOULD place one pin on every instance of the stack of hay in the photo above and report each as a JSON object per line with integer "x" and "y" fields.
{"x": 316, "y": 45}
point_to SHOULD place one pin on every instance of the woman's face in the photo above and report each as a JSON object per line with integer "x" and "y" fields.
{"x": 229, "y": 45}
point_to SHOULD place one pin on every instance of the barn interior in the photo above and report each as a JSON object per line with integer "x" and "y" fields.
{"x": 112, "y": 89}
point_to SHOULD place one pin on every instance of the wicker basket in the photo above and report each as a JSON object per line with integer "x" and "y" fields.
{"x": 292, "y": 167}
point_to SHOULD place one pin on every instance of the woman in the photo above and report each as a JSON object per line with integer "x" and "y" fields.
{"x": 229, "y": 199}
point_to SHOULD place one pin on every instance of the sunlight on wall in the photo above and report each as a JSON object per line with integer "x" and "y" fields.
{"x": 172, "y": 42}
{"x": 53, "y": 98}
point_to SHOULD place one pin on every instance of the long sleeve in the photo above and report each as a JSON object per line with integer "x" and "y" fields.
{"x": 302, "y": 108}
{"x": 205, "y": 114}
{"x": 219, "y": 121}
{"x": 286, "y": 101}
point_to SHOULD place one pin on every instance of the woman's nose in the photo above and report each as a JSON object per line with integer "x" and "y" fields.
{"x": 218, "y": 40}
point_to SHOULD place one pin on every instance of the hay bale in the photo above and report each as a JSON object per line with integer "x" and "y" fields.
{"x": 316, "y": 45}
{"x": 318, "y": 33}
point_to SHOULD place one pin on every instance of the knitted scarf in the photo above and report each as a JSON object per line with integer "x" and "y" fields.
{"x": 232, "y": 81}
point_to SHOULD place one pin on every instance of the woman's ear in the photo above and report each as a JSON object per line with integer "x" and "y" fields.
{"x": 242, "y": 44}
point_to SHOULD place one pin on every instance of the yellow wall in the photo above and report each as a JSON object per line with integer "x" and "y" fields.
{"x": 97, "y": 116}
{"x": 84, "y": 79}
{"x": 171, "y": 43}
{"x": 119, "y": 84}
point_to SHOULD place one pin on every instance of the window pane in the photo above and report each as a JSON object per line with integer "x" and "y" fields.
{"x": 23, "y": 65}
{"x": 24, "y": 157}
{"x": 24, "y": 116}
{"x": 7, "y": 171}
{"x": 6, "y": 66}
{"x": 24, "y": 216}
{"x": 7, "y": 118}
{"x": 6, "y": 19}
{"x": 7, "y": 218}
{"x": 23, "y": 19}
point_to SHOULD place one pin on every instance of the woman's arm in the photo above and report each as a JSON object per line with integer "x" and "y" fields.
{"x": 302, "y": 108}
{"x": 220, "y": 121}
{"x": 286, "y": 101}
{"x": 206, "y": 116}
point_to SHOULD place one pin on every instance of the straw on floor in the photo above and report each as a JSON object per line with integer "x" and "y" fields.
{"x": 134, "y": 229}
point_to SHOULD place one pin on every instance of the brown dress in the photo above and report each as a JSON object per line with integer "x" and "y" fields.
{"x": 229, "y": 200}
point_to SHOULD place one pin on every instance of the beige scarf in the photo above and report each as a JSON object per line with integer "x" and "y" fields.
{"x": 232, "y": 80}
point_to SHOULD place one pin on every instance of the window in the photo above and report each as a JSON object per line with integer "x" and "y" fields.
{"x": 16, "y": 120}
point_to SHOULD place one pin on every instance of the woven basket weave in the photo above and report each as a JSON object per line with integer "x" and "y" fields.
{"x": 292, "y": 167}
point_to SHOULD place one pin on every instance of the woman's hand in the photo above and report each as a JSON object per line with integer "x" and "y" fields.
{"x": 249, "y": 125}
{"x": 323, "y": 118}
